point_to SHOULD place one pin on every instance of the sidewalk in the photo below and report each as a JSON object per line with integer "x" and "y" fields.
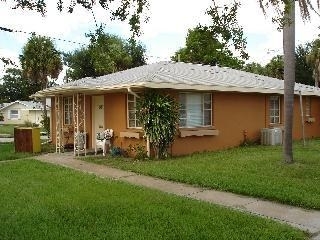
{"x": 307, "y": 220}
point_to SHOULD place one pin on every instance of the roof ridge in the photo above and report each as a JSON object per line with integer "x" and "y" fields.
{"x": 181, "y": 75}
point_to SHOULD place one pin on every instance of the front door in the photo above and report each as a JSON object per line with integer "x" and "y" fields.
{"x": 97, "y": 116}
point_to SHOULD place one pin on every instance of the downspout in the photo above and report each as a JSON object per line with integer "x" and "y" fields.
{"x": 148, "y": 140}
{"x": 302, "y": 119}
{"x": 133, "y": 93}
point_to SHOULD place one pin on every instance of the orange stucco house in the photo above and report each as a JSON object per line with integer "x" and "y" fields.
{"x": 220, "y": 107}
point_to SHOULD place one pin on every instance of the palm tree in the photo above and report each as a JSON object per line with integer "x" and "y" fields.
{"x": 40, "y": 61}
{"x": 289, "y": 79}
{"x": 286, "y": 18}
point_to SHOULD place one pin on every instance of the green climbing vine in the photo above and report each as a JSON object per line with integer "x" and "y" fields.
{"x": 158, "y": 115}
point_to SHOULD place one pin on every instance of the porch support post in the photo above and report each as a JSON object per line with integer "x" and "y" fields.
{"x": 79, "y": 111}
{"x": 57, "y": 103}
{"x": 148, "y": 146}
{"x": 75, "y": 123}
{"x": 84, "y": 124}
{"x": 302, "y": 119}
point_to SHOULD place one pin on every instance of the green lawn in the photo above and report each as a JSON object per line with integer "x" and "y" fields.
{"x": 42, "y": 201}
{"x": 256, "y": 171}
{"x": 7, "y": 152}
{"x": 7, "y": 129}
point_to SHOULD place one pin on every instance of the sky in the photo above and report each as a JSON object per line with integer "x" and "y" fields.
{"x": 163, "y": 34}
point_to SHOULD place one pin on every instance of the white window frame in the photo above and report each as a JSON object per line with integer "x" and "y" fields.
{"x": 68, "y": 110}
{"x": 273, "y": 108}
{"x": 187, "y": 110}
{"x": 132, "y": 111}
{"x": 15, "y": 116}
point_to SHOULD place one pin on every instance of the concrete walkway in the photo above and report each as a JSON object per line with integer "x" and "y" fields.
{"x": 307, "y": 220}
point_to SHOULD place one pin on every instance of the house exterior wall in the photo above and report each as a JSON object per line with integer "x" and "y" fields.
{"x": 312, "y": 129}
{"x": 234, "y": 115}
{"x": 237, "y": 116}
{"x": 34, "y": 116}
{"x": 53, "y": 121}
{"x": 116, "y": 119}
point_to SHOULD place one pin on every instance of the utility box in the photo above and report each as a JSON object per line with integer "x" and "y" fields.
{"x": 27, "y": 139}
{"x": 271, "y": 136}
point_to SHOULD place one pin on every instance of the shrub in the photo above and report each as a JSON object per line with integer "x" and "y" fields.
{"x": 159, "y": 117}
{"x": 45, "y": 122}
{"x": 139, "y": 151}
{"x": 28, "y": 123}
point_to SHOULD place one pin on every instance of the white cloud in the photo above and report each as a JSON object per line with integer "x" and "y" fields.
{"x": 163, "y": 34}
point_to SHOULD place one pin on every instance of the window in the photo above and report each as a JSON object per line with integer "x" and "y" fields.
{"x": 68, "y": 110}
{"x": 274, "y": 109}
{"x": 308, "y": 106}
{"x": 14, "y": 114}
{"x": 195, "y": 109}
{"x": 131, "y": 107}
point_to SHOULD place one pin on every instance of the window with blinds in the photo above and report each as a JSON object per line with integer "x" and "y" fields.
{"x": 195, "y": 109}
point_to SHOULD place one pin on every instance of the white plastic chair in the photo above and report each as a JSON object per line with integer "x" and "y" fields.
{"x": 102, "y": 140}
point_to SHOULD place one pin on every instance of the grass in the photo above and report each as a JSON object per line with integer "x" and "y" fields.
{"x": 255, "y": 171}
{"x": 42, "y": 201}
{"x": 8, "y": 153}
{"x": 7, "y": 129}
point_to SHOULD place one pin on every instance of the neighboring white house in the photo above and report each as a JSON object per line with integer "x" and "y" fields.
{"x": 20, "y": 111}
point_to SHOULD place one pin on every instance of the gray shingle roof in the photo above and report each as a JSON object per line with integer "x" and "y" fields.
{"x": 178, "y": 75}
{"x": 30, "y": 105}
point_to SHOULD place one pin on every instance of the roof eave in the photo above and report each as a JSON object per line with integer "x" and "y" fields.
{"x": 51, "y": 92}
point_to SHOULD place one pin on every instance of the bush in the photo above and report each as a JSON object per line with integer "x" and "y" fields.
{"x": 28, "y": 123}
{"x": 45, "y": 122}
{"x": 139, "y": 151}
{"x": 159, "y": 117}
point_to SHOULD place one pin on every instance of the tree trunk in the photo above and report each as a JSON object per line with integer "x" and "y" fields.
{"x": 289, "y": 80}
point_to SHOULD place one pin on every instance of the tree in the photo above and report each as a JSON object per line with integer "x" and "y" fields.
{"x": 304, "y": 69}
{"x": 313, "y": 58}
{"x": 286, "y": 19}
{"x": 105, "y": 54}
{"x": 131, "y": 10}
{"x": 80, "y": 64}
{"x": 226, "y": 28}
{"x": 275, "y": 67}
{"x": 2, "y": 96}
{"x": 15, "y": 87}
{"x": 216, "y": 43}
{"x": 289, "y": 78}
{"x": 40, "y": 60}
{"x": 7, "y": 61}
{"x": 202, "y": 47}
{"x": 159, "y": 117}
{"x": 254, "y": 67}
{"x": 137, "y": 52}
